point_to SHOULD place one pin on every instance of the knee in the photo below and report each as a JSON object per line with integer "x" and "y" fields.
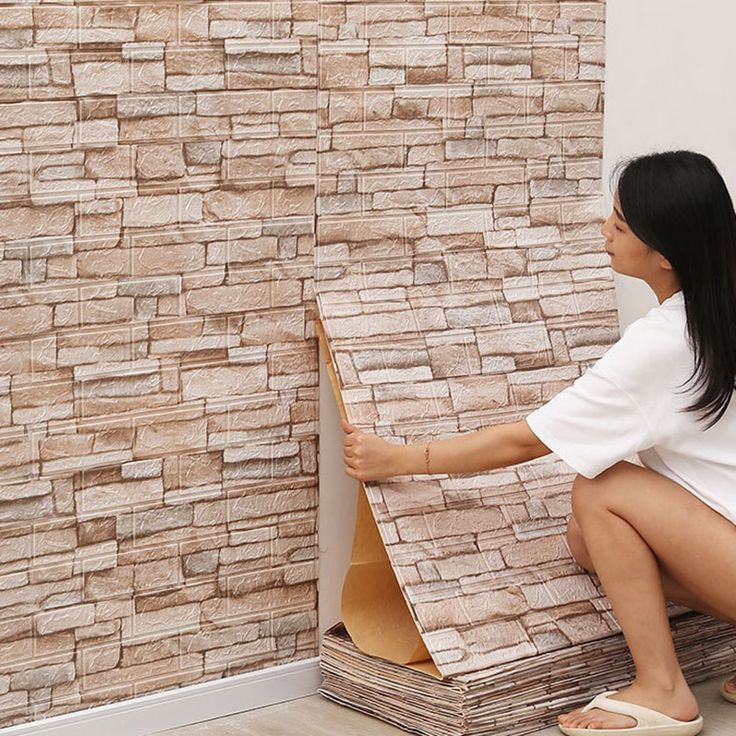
{"x": 588, "y": 495}
{"x": 577, "y": 545}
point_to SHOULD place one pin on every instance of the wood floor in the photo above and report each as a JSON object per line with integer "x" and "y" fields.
{"x": 318, "y": 716}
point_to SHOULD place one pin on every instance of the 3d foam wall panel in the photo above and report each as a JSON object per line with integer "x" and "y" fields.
{"x": 461, "y": 281}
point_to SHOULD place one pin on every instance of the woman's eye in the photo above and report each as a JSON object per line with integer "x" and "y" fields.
{"x": 619, "y": 228}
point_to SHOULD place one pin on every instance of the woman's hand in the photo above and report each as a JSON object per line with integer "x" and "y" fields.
{"x": 368, "y": 456}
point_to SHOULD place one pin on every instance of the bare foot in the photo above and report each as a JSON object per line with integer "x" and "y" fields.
{"x": 680, "y": 704}
{"x": 730, "y": 685}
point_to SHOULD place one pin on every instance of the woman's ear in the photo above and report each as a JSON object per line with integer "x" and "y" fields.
{"x": 664, "y": 263}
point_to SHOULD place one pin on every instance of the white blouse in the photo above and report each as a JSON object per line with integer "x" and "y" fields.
{"x": 628, "y": 403}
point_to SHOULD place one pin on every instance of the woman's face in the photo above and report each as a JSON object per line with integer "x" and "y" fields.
{"x": 629, "y": 255}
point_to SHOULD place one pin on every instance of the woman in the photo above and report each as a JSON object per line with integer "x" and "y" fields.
{"x": 666, "y": 531}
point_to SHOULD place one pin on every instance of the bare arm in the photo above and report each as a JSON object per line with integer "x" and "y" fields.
{"x": 484, "y": 449}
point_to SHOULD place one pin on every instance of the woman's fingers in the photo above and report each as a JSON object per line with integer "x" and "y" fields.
{"x": 367, "y": 456}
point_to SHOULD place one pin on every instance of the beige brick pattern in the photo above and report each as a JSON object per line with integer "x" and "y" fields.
{"x": 184, "y": 185}
{"x": 462, "y": 282}
{"x": 158, "y": 371}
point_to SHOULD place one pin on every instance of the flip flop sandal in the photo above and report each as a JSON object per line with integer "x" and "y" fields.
{"x": 731, "y": 697}
{"x": 649, "y": 722}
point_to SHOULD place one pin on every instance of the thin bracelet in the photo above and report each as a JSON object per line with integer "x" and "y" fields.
{"x": 426, "y": 456}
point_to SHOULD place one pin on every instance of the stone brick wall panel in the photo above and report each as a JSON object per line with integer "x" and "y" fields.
{"x": 462, "y": 282}
{"x": 158, "y": 399}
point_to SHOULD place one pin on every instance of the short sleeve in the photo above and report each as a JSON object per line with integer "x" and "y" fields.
{"x": 592, "y": 424}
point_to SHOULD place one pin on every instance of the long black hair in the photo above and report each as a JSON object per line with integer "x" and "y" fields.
{"x": 677, "y": 203}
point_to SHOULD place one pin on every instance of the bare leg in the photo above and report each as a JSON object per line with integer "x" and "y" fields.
{"x": 636, "y": 523}
{"x": 673, "y": 591}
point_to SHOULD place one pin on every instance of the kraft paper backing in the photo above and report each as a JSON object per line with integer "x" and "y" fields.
{"x": 373, "y": 608}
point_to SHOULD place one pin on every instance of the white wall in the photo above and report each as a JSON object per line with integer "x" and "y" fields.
{"x": 669, "y": 84}
{"x": 338, "y": 494}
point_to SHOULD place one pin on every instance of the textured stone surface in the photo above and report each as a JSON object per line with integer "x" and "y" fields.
{"x": 158, "y": 370}
{"x": 462, "y": 282}
{"x": 163, "y": 168}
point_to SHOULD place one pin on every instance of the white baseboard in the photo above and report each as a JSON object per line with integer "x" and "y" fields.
{"x": 182, "y": 706}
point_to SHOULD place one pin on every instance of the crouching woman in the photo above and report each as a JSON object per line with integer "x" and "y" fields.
{"x": 666, "y": 531}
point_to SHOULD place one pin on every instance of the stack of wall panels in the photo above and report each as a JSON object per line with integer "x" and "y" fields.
{"x": 512, "y": 699}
